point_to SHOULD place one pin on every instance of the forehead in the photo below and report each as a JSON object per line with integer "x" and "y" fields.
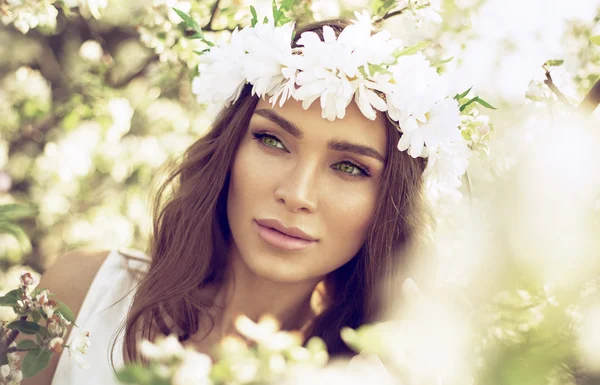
{"x": 354, "y": 127}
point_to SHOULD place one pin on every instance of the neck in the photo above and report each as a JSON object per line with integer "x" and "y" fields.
{"x": 244, "y": 292}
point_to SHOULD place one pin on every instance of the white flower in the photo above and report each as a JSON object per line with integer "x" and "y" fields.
{"x": 367, "y": 100}
{"x": 366, "y": 48}
{"x": 56, "y": 344}
{"x": 95, "y": 6}
{"x": 430, "y": 11}
{"x": 91, "y": 50}
{"x": 79, "y": 347}
{"x": 287, "y": 87}
{"x": 416, "y": 89}
{"x": 445, "y": 169}
{"x": 163, "y": 349}
{"x": 438, "y": 126}
{"x": 194, "y": 370}
{"x": 4, "y": 371}
{"x": 327, "y": 67}
{"x": 268, "y": 51}
{"x": 221, "y": 72}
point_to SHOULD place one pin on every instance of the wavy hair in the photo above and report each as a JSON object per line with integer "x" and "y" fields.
{"x": 190, "y": 237}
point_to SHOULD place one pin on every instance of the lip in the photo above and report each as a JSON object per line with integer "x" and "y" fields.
{"x": 276, "y": 234}
{"x": 291, "y": 231}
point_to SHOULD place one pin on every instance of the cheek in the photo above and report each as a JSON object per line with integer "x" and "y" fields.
{"x": 251, "y": 177}
{"x": 347, "y": 213}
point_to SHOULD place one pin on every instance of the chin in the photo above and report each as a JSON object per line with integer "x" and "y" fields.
{"x": 276, "y": 267}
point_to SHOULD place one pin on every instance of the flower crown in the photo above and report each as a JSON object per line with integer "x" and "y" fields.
{"x": 375, "y": 70}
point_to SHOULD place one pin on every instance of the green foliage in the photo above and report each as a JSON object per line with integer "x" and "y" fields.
{"x": 11, "y": 213}
{"x": 138, "y": 374}
{"x": 413, "y": 49}
{"x": 381, "y": 7}
{"x": 254, "y": 16}
{"x": 595, "y": 39}
{"x": 279, "y": 14}
{"x": 554, "y": 63}
{"x": 25, "y": 327}
{"x": 477, "y": 99}
{"x": 35, "y": 361}
{"x": 10, "y": 298}
{"x": 27, "y": 345}
{"x": 66, "y": 312}
{"x": 458, "y": 97}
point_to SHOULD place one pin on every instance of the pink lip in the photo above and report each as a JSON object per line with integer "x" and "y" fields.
{"x": 276, "y": 234}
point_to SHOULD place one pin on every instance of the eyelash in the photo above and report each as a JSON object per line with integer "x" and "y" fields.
{"x": 259, "y": 136}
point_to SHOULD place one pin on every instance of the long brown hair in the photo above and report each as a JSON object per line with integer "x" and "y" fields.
{"x": 191, "y": 234}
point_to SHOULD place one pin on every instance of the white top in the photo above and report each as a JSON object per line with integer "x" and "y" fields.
{"x": 111, "y": 283}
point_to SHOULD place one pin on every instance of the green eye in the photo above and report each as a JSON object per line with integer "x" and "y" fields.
{"x": 272, "y": 142}
{"x": 269, "y": 140}
{"x": 350, "y": 169}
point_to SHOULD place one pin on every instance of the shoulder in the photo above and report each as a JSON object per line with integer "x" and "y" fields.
{"x": 72, "y": 274}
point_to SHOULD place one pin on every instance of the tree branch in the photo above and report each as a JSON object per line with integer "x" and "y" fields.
{"x": 389, "y": 15}
{"x": 553, "y": 87}
{"x": 591, "y": 100}
{"x": 213, "y": 13}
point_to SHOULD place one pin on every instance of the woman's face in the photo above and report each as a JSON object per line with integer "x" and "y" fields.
{"x": 303, "y": 189}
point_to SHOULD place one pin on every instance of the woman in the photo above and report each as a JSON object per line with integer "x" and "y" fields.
{"x": 274, "y": 203}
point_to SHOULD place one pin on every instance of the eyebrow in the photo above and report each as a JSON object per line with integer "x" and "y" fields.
{"x": 336, "y": 145}
{"x": 273, "y": 116}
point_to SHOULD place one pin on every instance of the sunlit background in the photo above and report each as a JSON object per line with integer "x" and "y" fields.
{"x": 95, "y": 97}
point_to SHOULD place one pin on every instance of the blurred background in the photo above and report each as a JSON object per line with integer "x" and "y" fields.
{"x": 95, "y": 97}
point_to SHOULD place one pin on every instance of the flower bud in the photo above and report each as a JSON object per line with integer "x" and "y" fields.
{"x": 483, "y": 130}
{"x": 27, "y": 279}
{"x": 56, "y": 344}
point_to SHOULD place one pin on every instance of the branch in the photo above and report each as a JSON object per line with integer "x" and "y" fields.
{"x": 553, "y": 87}
{"x": 213, "y": 13}
{"x": 14, "y": 350}
{"x": 389, "y": 15}
{"x": 591, "y": 101}
{"x": 36, "y": 131}
{"x": 127, "y": 79}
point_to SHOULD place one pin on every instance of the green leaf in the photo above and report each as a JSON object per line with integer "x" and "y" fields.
{"x": 35, "y": 361}
{"x": 27, "y": 344}
{"x": 554, "y": 63}
{"x": 485, "y": 104}
{"x": 458, "y": 97}
{"x": 254, "y": 16}
{"x": 412, "y": 50}
{"x": 477, "y": 99}
{"x": 66, "y": 312}
{"x": 188, "y": 20}
{"x": 10, "y": 298}
{"x": 134, "y": 374}
{"x": 13, "y": 212}
{"x": 443, "y": 61}
{"x": 25, "y": 327}
{"x": 286, "y": 5}
{"x": 466, "y": 134}
{"x": 595, "y": 39}
{"x": 37, "y": 316}
{"x": 202, "y": 52}
{"x": 18, "y": 233}
{"x": 265, "y": 20}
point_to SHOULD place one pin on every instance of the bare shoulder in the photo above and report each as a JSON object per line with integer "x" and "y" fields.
{"x": 72, "y": 274}
{"x": 69, "y": 278}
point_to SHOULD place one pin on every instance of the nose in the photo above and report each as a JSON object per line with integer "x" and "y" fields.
{"x": 298, "y": 190}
